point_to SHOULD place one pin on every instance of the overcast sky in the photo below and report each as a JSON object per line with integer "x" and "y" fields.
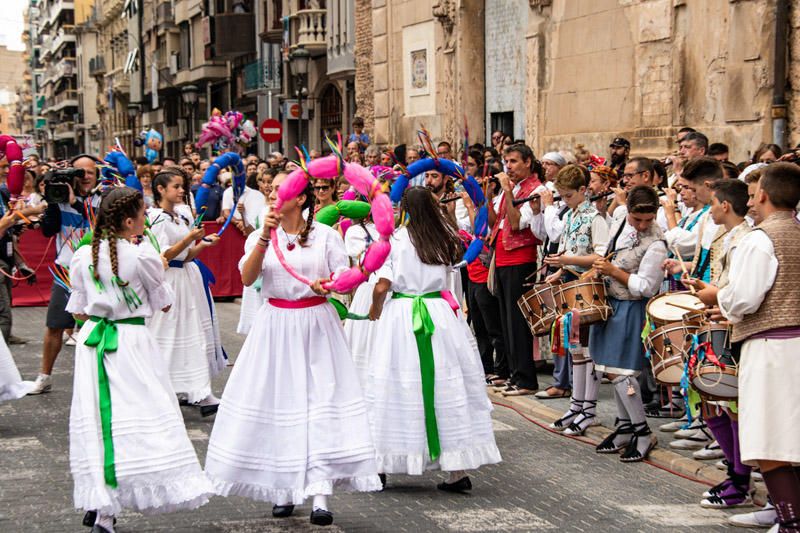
{"x": 11, "y": 24}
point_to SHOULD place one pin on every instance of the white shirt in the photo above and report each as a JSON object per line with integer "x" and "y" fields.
{"x": 752, "y": 273}
{"x": 254, "y": 203}
{"x": 646, "y": 281}
{"x": 685, "y": 239}
{"x": 600, "y": 236}
{"x": 407, "y": 272}
{"x": 661, "y": 216}
{"x": 553, "y": 225}
{"x": 526, "y": 217}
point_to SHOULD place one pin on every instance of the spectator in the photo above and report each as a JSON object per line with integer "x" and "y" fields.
{"x": 145, "y": 175}
{"x": 359, "y": 136}
{"x": 693, "y": 145}
{"x": 682, "y": 133}
{"x": 718, "y": 151}
{"x": 325, "y": 193}
{"x": 767, "y": 153}
{"x": 188, "y": 165}
{"x": 372, "y": 156}
{"x": 620, "y": 151}
{"x": 444, "y": 150}
{"x": 552, "y": 162}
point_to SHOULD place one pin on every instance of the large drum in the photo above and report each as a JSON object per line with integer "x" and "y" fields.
{"x": 586, "y": 295}
{"x": 675, "y": 307}
{"x": 712, "y": 381}
{"x": 668, "y": 347}
{"x": 538, "y": 306}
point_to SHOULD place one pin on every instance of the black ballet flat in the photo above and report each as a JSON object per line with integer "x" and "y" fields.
{"x": 462, "y": 485}
{"x": 208, "y": 410}
{"x": 383, "y": 480}
{"x": 282, "y": 511}
{"x": 321, "y": 517}
{"x": 89, "y": 518}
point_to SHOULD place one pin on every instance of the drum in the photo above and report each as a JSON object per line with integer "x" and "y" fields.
{"x": 673, "y": 307}
{"x": 711, "y": 381}
{"x": 668, "y": 347}
{"x": 586, "y": 295}
{"x": 538, "y": 306}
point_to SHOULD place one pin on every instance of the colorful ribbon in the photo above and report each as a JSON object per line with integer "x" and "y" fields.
{"x": 343, "y": 312}
{"x": 104, "y": 338}
{"x": 423, "y": 331}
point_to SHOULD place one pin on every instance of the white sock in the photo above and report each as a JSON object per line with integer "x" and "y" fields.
{"x": 320, "y": 502}
{"x": 106, "y": 521}
{"x": 209, "y": 400}
{"x": 456, "y": 475}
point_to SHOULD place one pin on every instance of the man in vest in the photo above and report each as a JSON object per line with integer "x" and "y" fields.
{"x": 761, "y": 300}
{"x": 516, "y": 232}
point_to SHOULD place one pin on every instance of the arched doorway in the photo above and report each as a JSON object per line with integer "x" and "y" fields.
{"x": 330, "y": 119}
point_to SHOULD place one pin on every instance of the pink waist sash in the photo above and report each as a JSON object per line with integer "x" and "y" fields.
{"x": 302, "y": 303}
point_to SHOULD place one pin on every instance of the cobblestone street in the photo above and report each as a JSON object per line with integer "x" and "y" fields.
{"x": 545, "y": 482}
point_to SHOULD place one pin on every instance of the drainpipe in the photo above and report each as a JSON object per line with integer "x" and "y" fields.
{"x": 779, "y": 107}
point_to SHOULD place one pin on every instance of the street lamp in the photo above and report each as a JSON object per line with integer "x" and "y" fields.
{"x": 133, "y": 112}
{"x": 189, "y": 94}
{"x": 298, "y": 64}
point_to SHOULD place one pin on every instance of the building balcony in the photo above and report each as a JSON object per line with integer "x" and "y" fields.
{"x": 340, "y": 26}
{"x": 97, "y": 66}
{"x": 262, "y": 75}
{"x": 203, "y": 73}
{"x": 234, "y": 34}
{"x": 64, "y": 131}
{"x": 119, "y": 81}
{"x": 165, "y": 17}
{"x": 64, "y": 68}
{"x": 56, "y": 9}
{"x": 62, "y": 100}
{"x": 66, "y": 34}
{"x": 308, "y": 30}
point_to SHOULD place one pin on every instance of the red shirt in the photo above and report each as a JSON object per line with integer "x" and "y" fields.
{"x": 477, "y": 272}
{"x": 518, "y": 256}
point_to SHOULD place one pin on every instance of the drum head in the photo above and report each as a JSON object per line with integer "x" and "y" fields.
{"x": 716, "y": 384}
{"x": 660, "y": 310}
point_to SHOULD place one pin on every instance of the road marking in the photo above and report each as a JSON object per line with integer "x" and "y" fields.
{"x": 677, "y": 515}
{"x": 15, "y": 444}
{"x": 469, "y": 520}
{"x": 500, "y": 426}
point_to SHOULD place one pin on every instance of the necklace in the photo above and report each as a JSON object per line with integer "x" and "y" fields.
{"x": 290, "y": 242}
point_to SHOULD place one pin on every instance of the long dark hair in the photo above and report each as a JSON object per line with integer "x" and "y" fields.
{"x": 434, "y": 238}
{"x": 117, "y": 205}
{"x": 164, "y": 178}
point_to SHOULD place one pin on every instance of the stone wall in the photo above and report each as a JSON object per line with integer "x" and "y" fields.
{"x": 363, "y": 52}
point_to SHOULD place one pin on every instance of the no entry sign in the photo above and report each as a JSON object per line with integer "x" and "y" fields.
{"x": 270, "y": 130}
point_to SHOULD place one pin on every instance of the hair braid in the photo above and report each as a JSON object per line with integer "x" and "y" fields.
{"x": 117, "y": 205}
{"x": 308, "y": 204}
{"x": 96, "y": 238}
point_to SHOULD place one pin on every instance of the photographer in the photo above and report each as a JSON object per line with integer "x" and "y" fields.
{"x": 66, "y": 192}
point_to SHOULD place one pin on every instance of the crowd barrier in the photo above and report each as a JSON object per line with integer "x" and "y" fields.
{"x": 37, "y": 249}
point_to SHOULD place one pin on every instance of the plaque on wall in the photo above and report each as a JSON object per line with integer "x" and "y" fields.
{"x": 419, "y": 71}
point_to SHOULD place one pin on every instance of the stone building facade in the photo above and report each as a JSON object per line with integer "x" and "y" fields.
{"x": 562, "y": 72}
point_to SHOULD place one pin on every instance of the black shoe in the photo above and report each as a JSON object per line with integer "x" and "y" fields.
{"x": 282, "y": 511}
{"x": 383, "y": 480}
{"x": 462, "y": 485}
{"x": 321, "y": 517}
{"x": 99, "y": 529}
{"x": 619, "y": 439}
{"x": 208, "y": 410}
{"x": 89, "y": 518}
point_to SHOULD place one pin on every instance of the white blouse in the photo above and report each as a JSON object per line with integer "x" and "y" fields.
{"x": 169, "y": 229}
{"x": 407, "y": 272}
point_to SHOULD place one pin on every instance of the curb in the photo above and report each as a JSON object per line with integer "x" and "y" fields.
{"x": 660, "y": 457}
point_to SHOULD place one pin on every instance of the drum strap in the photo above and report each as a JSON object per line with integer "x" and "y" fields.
{"x": 612, "y": 245}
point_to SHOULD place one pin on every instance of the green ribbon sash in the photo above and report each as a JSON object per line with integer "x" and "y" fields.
{"x": 423, "y": 331}
{"x": 343, "y": 312}
{"x": 104, "y": 338}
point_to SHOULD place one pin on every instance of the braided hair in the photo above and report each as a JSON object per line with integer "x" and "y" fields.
{"x": 117, "y": 205}
{"x": 308, "y": 204}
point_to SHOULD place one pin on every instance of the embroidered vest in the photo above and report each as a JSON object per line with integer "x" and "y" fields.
{"x": 577, "y": 236}
{"x": 515, "y": 239}
{"x": 629, "y": 257}
{"x": 724, "y": 263}
{"x": 779, "y": 308}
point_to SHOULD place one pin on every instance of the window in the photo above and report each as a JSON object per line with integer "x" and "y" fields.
{"x": 185, "y": 57}
{"x": 503, "y": 122}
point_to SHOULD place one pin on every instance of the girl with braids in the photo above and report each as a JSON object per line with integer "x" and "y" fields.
{"x": 292, "y": 423}
{"x": 425, "y": 389}
{"x": 186, "y": 334}
{"x": 128, "y": 443}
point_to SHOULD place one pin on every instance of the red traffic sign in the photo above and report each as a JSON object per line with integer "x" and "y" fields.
{"x": 294, "y": 111}
{"x": 271, "y": 130}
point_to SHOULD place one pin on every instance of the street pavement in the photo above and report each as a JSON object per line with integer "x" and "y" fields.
{"x": 545, "y": 483}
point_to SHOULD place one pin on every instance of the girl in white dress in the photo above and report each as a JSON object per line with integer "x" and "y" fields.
{"x": 293, "y": 422}
{"x": 186, "y": 334}
{"x": 11, "y": 385}
{"x": 426, "y": 392}
{"x": 359, "y": 332}
{"x": 128, "y": 443}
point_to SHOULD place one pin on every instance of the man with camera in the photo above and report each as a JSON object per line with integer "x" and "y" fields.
{"x": 68, "y": 193}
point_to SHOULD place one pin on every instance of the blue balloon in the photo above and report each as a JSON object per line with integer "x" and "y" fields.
{"x": 228, "y": 159}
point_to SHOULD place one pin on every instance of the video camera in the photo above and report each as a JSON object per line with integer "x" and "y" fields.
{"x": 57, "y": 183}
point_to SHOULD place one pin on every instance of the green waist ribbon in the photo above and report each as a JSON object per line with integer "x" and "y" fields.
{"x": 423, "y": 331}
{"x": 104, "y": 338}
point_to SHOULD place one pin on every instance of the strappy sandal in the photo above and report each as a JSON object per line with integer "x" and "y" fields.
{"x": 632, "y": 454}
{"x": 491, "y": 378}
{"x": 579, "y": 426}
{"x": 565, "y": 421}
{"x": 624, "y": 427}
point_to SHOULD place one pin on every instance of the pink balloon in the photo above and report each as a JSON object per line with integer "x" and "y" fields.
{"x": 282, "y": 260}
{"x": 376, "y": 255}
{"x": 347, "y": 280}
{"x": 293, "y": 186}
{"x": 349, "y": 194}
{"x": 324, "y": 167}
{"x": 361, "y": 178}
{"x": 383, "y": 215}
{"x": 345, "y": 225}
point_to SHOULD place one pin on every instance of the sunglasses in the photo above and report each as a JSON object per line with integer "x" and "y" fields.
{"x": 322, "y": 188}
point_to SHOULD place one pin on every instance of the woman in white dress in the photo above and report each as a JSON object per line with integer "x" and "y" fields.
{"x": 358, "y": 332}
{"x": 128, "y": 443}
{"x": 11, "y": 385}
{"x": 186, "y": 334}
{"x": 293, "y": 423}
{"x": 425, "y": 388}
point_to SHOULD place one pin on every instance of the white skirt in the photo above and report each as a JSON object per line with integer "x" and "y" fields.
{"x": 769, "y": 401}
{"x": 251, "y": 302}
{"x": 11, "y": 385}
{"x": 359, "y": 332}
{"x": 186, "y": 334}
{"x": 292, "y": 422}
{"x": 394, "y": 394}
{"x": 156, "y": 465}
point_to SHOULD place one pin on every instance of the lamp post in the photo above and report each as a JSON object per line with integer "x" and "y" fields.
{"x": 189, "y": 94}
{"x": 298, "y": 63}
{"x": 133, "y": 112}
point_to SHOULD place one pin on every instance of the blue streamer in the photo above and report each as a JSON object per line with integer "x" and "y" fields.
{"x": 228, "y": 159}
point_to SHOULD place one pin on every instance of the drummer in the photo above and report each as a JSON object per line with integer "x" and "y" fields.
{"x": 585, "y": 232}
{"x": 729, "y": 205}
{"x": 761, "y": 300}
{"x": 632, "y": 276}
